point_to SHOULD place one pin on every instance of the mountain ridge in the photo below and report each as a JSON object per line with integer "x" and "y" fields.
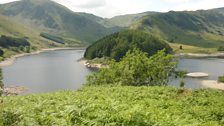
{"x": 55, "y": 18}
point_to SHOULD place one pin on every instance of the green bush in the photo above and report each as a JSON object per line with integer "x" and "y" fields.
{"x": 221, "y": 79}
{"x": 1, "y": 52}
{"x": 7, "y": 41}
{"x": 1, "y": 82}
{"x": 221, "y": 48}
{"x": 136, "y": 69}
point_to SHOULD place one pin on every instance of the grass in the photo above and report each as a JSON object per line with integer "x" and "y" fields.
{"x": 191, "y": 49}
{"x": 103, "y": 105}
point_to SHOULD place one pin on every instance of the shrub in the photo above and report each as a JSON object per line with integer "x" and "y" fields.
{"x": 6, "y": 41}
{"x": 1, "y": 52}
{"x": 136, "y": 69}
{"x": 221, "y": 79}
{"x": 221, "y": 48}
{"x": 1, "y": 83}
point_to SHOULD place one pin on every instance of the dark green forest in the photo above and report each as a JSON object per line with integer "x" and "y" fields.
{"x": 7, "y": 41}
{"x": 116, "y": 45}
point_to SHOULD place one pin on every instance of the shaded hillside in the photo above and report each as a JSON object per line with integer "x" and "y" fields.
{"x": 203, "y": 28}
{"x": 117, "y": 44}
{"x": 54, "y": 18}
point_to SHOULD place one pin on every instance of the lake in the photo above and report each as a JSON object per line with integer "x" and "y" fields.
{"x": 47, "y": 71}
{"x": 213, "y": 66}
{"x": 60, "y": 70}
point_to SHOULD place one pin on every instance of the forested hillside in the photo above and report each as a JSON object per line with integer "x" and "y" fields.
{"x": 116, "y": 45}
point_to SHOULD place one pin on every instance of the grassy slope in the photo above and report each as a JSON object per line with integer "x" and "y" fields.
{"x": 191, "y": 49}
{"x": 53, "y": 18}
{"x": 197, "y": 28}
{"x": 160, "y": 106}
{"x": 127, "y": 20}
{"x": 10, "y": 27}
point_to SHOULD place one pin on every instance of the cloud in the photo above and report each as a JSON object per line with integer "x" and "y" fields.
{"x": 110, "y": 8}
{"x": 177, "y": 1}
{"x": 107, "y": 8}
{"x": 200, "y": 4}
{"x": 89, "y": 4}
{"x": 6, "y": 1}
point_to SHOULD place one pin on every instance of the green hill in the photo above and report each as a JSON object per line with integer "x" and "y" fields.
{"x": 14, "y": 31}
{"x": 117, "y": 44}
{"x": 203, "y": 28}
{"x": 128, "y": 19}
{"x": 53, "y": 18}
{"x": 14, "y": 28}
{"x": 118, "y": 106}
{"x": 120, "y": 21}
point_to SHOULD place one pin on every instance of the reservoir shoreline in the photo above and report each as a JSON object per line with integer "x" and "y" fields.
{"x": 9, "y": 61}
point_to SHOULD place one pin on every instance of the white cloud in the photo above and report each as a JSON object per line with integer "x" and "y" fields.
{"x": 110, "y": 8}
{"x": 6, "y": 1}
{"x": 203, "y": 4}
{"x": 177, "y": 1}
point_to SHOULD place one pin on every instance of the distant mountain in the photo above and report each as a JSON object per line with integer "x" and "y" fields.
{"x": 103, "y": 21}
{"x": 48, "y": 16}
{"x": 127, "y": 20}
{"x": 203, "y": 28}
{"x": 117, "y": 21}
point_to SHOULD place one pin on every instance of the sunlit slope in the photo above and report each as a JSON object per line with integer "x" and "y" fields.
{"x": 53, "y": 18}
{"x": 204, "y": 28}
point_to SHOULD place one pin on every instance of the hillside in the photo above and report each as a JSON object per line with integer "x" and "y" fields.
{"x": 128, "y": 19}
{"x": 202, "y": 28}
{"x": 10, "y": 27}
{"x": 116, "y": 45}
{"x": 53, "y": 18}
{"x": 105, "y": 105}
{"x": 120, "y": 21}
{"x": 12, "y": 30}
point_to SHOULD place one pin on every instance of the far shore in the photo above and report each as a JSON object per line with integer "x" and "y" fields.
{"x": 213, "y": 84}
{"x": 200, "y": 55}
{"x": 9, "y": 61}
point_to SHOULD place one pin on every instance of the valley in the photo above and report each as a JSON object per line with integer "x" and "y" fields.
{"x": 145, "y": 57}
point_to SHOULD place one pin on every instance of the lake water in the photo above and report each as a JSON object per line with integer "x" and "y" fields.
{"x": 213, "y": 66}
{"x": 47, "y": 71}
{"x": 60, "y": 70}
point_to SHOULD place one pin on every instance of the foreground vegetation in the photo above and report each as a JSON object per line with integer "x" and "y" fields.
{"x": 121, "y": 105}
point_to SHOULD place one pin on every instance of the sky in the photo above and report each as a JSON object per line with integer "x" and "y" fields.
{"x": 111, "y": 8}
